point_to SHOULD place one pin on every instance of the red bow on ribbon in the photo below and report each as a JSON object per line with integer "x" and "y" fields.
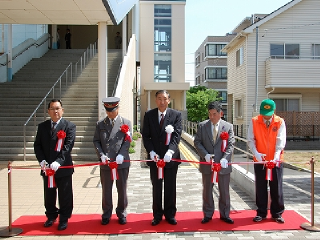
{"x": 160, "y": 165}
{"x": 114, "y": 172}
{"x": 61, "y": 136}
{"x": 224, "y": 136}
{"x": 125, "y": 129}
{"x": 269, "y": 165}
{"x": 215, "y": 168}
{"x": 50, "y": 173}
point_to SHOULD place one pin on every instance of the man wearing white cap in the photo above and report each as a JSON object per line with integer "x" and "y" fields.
{"x": 112, "y": 141}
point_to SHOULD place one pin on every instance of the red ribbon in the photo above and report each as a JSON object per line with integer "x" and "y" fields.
{"x": 160, "y": 165}
{"x": 215, "y": 168}
{"x": 50, "y": 173}
{"x": 114, "y": 173}
{"x": 269, "y": 165}
{"x": 224, "y": 136}
{"x": 61, "y": 136}
{"x": 125, "y": 129}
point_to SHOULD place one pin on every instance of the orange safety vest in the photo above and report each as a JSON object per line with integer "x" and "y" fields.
{"x": 266, "y": 138}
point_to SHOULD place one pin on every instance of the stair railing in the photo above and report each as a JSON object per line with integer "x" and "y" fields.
{"x": 69, "y": 74}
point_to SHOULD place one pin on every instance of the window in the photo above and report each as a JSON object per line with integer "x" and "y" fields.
{"x": 162, "y": 67}
{"x": 216, "y": 73}
{"x": 315, "y": 51}
{"x": 198, "y": 60}
{"x": 223, "y": 95}
{"x": 287, "y": 104}
{"x": 238, "y": 108}
{"x": 284, "y": 51}
{"x": 162, "y": 43}
{"x": 214, "y": 50}
{"x": 197, "y": 80}
{"x": 239, "y": 57}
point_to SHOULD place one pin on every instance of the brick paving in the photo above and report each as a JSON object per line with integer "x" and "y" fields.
{"x": 27, "y": 199}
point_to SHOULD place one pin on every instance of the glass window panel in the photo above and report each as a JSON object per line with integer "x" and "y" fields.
{"x": 292, "y": 50}
{"x": 224, "y": 73}
{"x": 316, "y": 51}
{"x": 162, "y": 10}
{"x": 162, "y": 67}
{"x": 276, "y": 50}
{"x": 293, "y": 105}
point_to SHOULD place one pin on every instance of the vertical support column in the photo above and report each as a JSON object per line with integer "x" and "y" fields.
{"x": 124, "y": 36}
{"x": 54, "y": 36}
{"x": 102, "y": 67}
{"x": 9, "y": 50}
{"x": 149, "y": 106}
{"x": 136, "y": 29}
{"x": 184, "y": 104}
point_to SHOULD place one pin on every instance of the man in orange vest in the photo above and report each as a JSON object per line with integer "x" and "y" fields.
{"x": 267, "y": 139}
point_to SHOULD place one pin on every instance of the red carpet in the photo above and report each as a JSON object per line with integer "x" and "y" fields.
{"x": 141, "y": 223}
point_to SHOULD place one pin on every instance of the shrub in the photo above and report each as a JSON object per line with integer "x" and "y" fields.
{"x": 131, "y": 150}
{"x": 133, "y": 144}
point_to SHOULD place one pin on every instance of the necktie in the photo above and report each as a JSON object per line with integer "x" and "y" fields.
{"x": 267, "y": 123}
{"x": 215, "y": 132}
{"x": 112, "y": 122}
{"x": 53, "y": 126}
{"x": 161, "y": 121}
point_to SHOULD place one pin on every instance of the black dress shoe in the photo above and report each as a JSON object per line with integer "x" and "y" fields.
{"x": 172, "y": 221}
{"x": 227, "y": 220}
{"x": 122, "y": 221}
{"x": 62, "y": 226}
{"x": 105, "y": 221}
{"x": 206, "y": 219}
{"x": 155, "y": 221}
{"x": 49, "y": 222}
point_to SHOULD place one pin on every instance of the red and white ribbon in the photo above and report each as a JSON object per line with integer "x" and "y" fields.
{"x": 114, "y": 172}
{"x": 269, "y": 165}
{"x": 160, "y": 165}
{"x": 126, "y": 130}
{"x": 215, "y": 168}
{"x": 224, "y": 136}
{"x": 61, "y": 136}
{"x": 50, "y": 174}
{"x": 169, "y": 130}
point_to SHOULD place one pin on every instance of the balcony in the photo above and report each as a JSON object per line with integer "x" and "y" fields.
{"x": 303, "y": 72}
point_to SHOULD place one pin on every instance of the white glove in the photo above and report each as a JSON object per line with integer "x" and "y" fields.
{"x": 224, "y": 163}
{"x": 104, "y": 158}
{"x": 208, "y": 157}
{"x": 119, "y": 159}
{"x": 259, "y": 156}
{"x": 168, "y": 156}
{"x": 43, "y": 164}
{"x": 154, "y": 156}
{"x": 55, "y": 165}
{"x": 277, "y": 155}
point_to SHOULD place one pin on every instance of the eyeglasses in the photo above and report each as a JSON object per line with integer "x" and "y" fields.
{"x": 55, "y": 109}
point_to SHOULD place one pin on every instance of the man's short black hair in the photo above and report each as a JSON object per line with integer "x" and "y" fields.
{"x": 215, "y": 105}
{"x": 54, "y": 100}
{"x": 162, "y": 92}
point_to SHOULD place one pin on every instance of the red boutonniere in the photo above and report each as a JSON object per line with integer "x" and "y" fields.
{"x": 61, "y": 136}
{"x": 125, "y": 129}
{"x": 224, "y": 136}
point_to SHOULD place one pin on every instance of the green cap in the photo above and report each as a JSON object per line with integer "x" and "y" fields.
{"x": 267, "y": 107}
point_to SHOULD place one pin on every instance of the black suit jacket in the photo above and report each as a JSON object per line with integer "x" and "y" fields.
{"x": 154, "y": 138}
{"x": 45, "y": 143}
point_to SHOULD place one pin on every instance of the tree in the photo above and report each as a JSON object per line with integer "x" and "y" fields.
{"x": 198, "y": 99}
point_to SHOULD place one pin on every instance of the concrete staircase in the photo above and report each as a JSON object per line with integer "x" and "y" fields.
{"x": 19, "y": 98}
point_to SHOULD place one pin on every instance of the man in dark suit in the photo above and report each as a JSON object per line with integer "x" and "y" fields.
{"x": 53, "y": 145}
{"x": 154, "y": 135}
{"x": 112, "y": 141}
{"x": 211, "y": 147}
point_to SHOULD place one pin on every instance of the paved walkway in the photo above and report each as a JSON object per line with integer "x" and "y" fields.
{"x": 27, "y": 195}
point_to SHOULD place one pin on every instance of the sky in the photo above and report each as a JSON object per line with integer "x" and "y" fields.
{"x": 216, "y": 18}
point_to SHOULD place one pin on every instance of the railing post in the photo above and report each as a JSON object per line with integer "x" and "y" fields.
{"x": 71, "y": 72}
{"x": 81, "y": 63}
{"x": 24, "y": 143}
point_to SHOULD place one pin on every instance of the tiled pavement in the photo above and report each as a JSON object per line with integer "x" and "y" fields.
{"x": 27, "y": 199}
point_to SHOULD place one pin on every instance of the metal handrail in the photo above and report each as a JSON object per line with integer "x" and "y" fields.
{"x": 87, "y": 55}
{"x": 116, "y": 81}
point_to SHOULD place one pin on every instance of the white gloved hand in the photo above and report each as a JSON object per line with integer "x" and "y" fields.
{"x": 104, "y": 158}
{"x": 154, "y": 156}
{"x": 224, "y": 163}
{"x": 55, "y": 165}
{"x": 119, "y": 159}
{"x": 168, "y": 156}
{"x": 259, "y": 156}
{"x": 43, "y": 164}
{"x": 208, "y": 157}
